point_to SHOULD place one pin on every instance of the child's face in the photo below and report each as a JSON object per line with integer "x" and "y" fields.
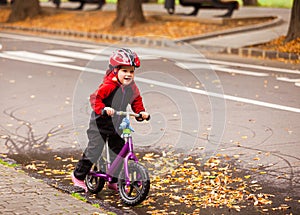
{"x": 126, "y": 75}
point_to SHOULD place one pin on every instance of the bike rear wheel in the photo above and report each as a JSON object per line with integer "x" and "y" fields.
{"x": 94, "y": 184}
{"x": 139, "y": 186}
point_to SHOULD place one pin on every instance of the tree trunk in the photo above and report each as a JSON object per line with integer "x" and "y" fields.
{"x": 129, "y": 13}
{"x": 22, "y": 9}
{"x": 250, "y": 2}
{"x": 294, "y": 27}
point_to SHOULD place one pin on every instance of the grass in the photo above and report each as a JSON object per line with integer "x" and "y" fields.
{"x": 7, "y": 164}
{"x": 276, "y": 3}
{"x": 79, "y": 197}
{"x": 96, "y": 205}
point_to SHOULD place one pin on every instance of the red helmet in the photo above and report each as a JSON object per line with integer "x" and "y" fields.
{"x": 124, "y": 57}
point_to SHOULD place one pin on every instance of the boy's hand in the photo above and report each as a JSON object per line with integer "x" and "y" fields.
{"x": 145, "y": 115}
{"x": 109, "y": 111}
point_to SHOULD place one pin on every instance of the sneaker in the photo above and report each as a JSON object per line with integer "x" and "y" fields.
{"x": 79, "y": 183}
{"x": 112, "y": 186}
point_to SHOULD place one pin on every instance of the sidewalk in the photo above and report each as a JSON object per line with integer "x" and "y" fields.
{"x": 21, "y": 194}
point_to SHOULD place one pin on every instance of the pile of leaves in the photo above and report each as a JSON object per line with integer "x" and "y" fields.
{"x": 195, "y": 184}
{"x": 280, "y": 45}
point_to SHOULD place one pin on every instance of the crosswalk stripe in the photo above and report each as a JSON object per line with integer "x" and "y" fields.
{"x": 108, "y": 53}
{"x": 77, "y": 55}
{"x": 287, "y": 79}
{"x": 37, "y": 56}
{"x": 296, "y": 81}
{"x": 241, "y": 72}
{"x": 219, "y": 68}
{"x": 105, "y": 52}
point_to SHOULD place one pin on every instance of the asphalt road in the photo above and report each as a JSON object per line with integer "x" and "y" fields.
{"x": 203, "y": 105}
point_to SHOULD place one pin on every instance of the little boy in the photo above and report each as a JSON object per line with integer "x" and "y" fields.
{"x": 115, "y": 93}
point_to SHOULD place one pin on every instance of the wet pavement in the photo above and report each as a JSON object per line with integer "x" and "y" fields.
{"x": 54, "y": 170}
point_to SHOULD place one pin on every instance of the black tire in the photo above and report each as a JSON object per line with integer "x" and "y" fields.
{"x": 94, "y": 184}
{"x": 139, "y": 185}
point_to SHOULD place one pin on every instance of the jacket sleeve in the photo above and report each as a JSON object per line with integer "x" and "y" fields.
{"x": 96, "y": 99}
{"x": 137, "y": 102}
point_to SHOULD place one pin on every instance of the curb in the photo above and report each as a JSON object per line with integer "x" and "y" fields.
{"x": 135, "y": 40}
{"x": 254, "y": 52}
{"x": 250, "y": 52}
{"x": 278, "y": 20}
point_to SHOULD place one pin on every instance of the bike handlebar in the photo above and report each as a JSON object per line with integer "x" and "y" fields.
{"x": 127, "y": 113}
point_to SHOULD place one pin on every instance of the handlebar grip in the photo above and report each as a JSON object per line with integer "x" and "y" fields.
{"x": 149, "y": 117}
{"x": 140, "y": 118}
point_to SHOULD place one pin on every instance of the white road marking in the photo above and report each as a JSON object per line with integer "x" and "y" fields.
{"x": 219, "y": 68}
{"x": 50, "y": 41}
{"x": 251, "y": 66}
{"x": 296, "y": 81}
{"x": 156, "y": 52}
{"x": 104, "y": 51}
{"x": 77, "y": 55}
{"x": 241, "y": 72}
{"x": 37, "y": 56}
{"x": 287, "y": 79}
{"x": 108, "y": 53}
{"x": 60, "y": 65}
{"x": 195, "y": 65}
{"x": 162, "y": 84}
{"x": 222, "y": 96}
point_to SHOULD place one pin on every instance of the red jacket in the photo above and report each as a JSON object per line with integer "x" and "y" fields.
{"x": 111, "y": 93}
{"x": 106, "y": 96}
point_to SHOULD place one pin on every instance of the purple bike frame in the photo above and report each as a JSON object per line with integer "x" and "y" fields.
{"x": 125, "y": 154}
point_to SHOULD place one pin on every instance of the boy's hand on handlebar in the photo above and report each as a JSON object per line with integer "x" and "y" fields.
{"x": 109, "y": 111}
{"x": 145, "y": 115}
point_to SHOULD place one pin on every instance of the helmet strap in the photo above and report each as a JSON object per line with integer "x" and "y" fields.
{"x": 116, "y": 70}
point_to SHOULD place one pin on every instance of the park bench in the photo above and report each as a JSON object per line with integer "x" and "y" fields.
{"x": 206, "y": 4}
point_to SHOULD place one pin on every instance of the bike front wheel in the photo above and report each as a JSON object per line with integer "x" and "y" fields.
{"x": 139, "y": 187}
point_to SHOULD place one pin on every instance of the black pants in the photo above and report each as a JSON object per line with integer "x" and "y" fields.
{"x": 94, "y": 148}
